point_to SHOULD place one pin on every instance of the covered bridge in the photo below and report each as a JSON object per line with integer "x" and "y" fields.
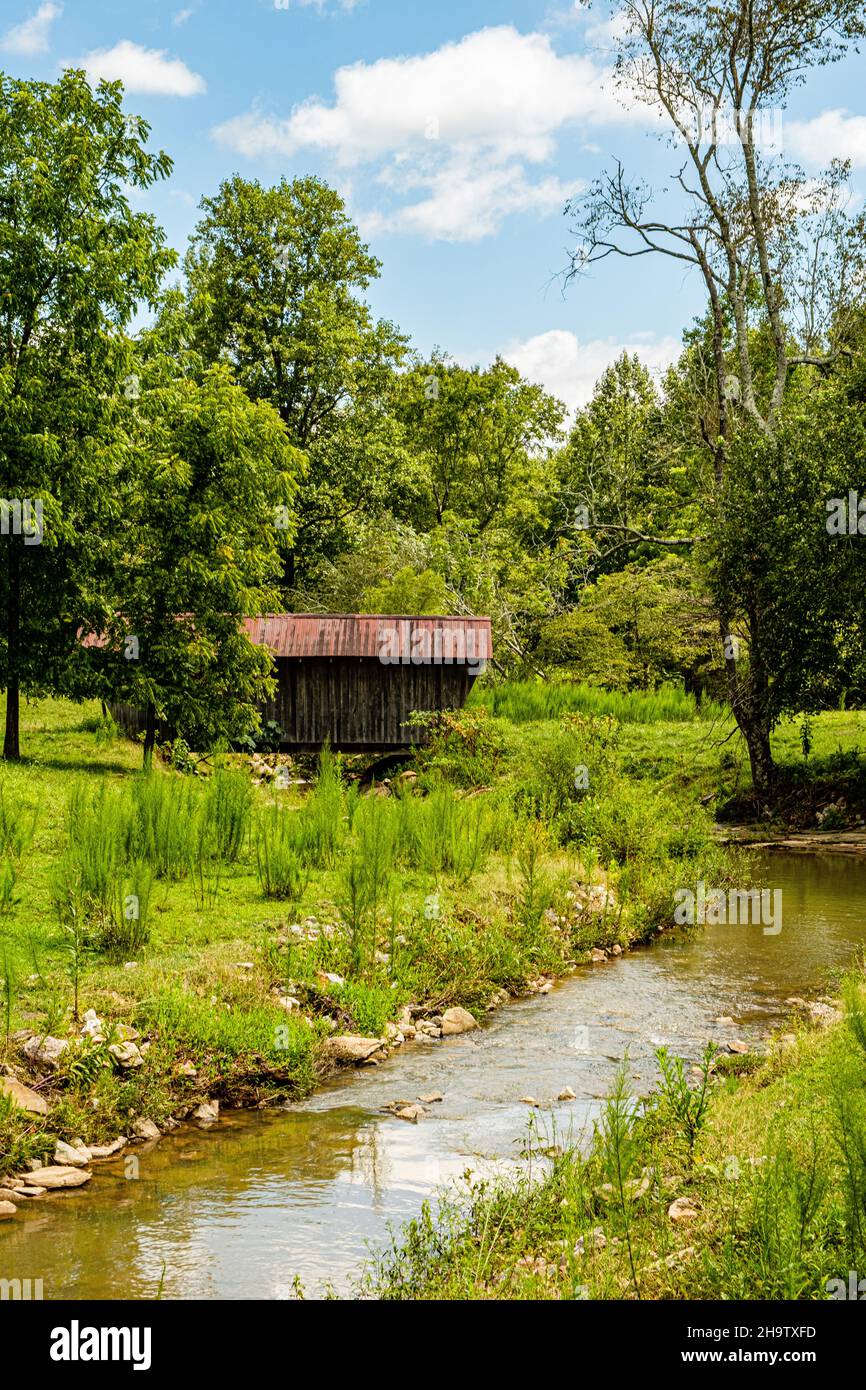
{"x": 354, "y": 679}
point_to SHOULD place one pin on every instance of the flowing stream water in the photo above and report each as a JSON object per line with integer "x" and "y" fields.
{"x": 240, "y": 1209}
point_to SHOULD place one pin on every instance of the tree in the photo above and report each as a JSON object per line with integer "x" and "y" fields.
{"x": 275, "y": 278}
{"x": 607, "y": 467}
{"x": 664, "y": 621}
{"x": 583, "y": 645}
{"x": 480, "y": 437}
{"x": 408, "y": 592}
{"x": 799, "y": 581}
{"x": 197, "y": 548}
{"x": 617, "y": 480}
{"x": 75, "y": 263}
{"x": 779, "y": 256}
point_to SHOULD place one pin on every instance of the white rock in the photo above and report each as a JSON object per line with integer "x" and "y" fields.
{"x": 145, "y": 1129}
{"x": 126, "y": 1055}
{"x": 93, "y": 1027}
{"x": 681, "y": 1210}
{"x": 47, "y": 1051}
{"x": 56, "y": 1177}
{"x": 412, "y": 1113}
{"x": 108, "y": 1150}
{"x": 23, "y": 1097}
{"x": 349, "y": 1047}
{"x": 71, "y": 1156}
{"x": 207, "y": 1112}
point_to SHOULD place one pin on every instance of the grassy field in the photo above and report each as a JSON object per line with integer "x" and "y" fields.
{"x": 746, "y": 1186}
{"x": 667, "y": 739}
{"x": 237, "y": 926}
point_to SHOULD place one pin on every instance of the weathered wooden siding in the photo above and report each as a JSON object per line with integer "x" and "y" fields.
{"x": 131, "y": 719}
{"x": 359, "y": 703}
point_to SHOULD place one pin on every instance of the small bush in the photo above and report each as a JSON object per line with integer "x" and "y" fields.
{"x": 163, "y": 827}
{"x": 463, "y": 745}
{"x": 321, "y": 820}
{"x": 279, "y": 860}
{"x": 228, "y": 805}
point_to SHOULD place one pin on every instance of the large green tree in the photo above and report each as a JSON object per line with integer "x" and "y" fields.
{"x": 75, "y": 263}
{"x": 480, "y": 436}
{"x": 207, "y": 473}
{"x": 276, "y": 278}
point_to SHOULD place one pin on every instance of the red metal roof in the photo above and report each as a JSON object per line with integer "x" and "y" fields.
{"x": 391, "y": 638}
{"x": 388, "y": 637}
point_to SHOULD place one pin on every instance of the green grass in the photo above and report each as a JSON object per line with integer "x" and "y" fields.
{"x": 709, "y": 761}
{"x": 527, "y": 701}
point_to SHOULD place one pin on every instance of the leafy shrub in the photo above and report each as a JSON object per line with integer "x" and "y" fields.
{"x": 98, "y": 824}
{"x": 371, "y": 1006}
{"x": 126, "y": 931}
{"x": 321, "y": 826}
{"x": 462, "y": 745}
{"x": 268, "y": 738}
{"x": 557, "y": 769}
{"x": 16, "y": 827}
{"x": 627, "y": 824}
{"x": 163, "y": 829}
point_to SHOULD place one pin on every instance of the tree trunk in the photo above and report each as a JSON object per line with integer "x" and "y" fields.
{"x": 748, "y": 696}
{"x": 760, "y": 757}
{"x": 11, "y": 740}
{"x": 149, "y": 735}
{"x": 289, "y": 574}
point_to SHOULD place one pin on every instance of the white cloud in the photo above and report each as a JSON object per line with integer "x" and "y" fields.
{"x": 458, "y": 125}
{"x": 511, "y": 92}
{"x": 569, "y": 369}
{"x": 834, "y": 134}
{"x": 183, "y": 15}
{"x": 466, "y": 199}
{"x": 146, "y": 70}
{"x": 33, "y": 35}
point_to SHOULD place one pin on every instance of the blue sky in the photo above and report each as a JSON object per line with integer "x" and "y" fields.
{"x": 454, "y": 130}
